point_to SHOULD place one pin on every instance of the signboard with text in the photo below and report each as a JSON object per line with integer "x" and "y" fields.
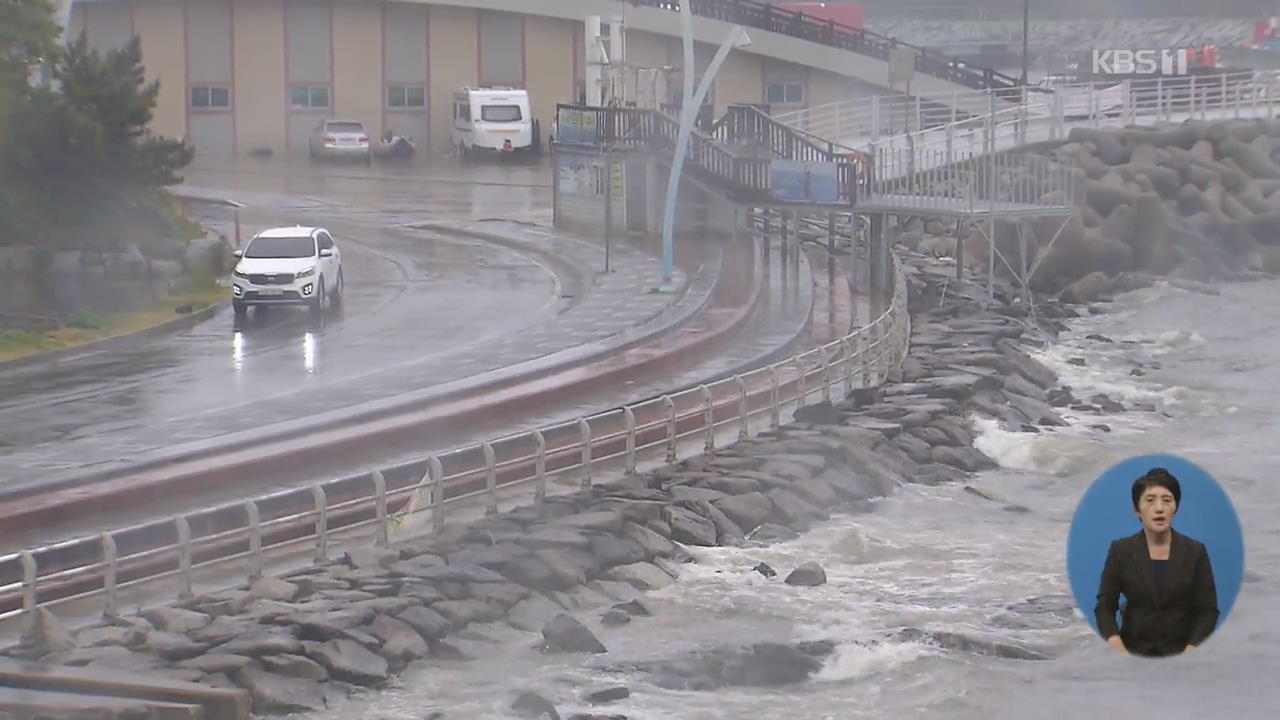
{"x": 811, "y": 182}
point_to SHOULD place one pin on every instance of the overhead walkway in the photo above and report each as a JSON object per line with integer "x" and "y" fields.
{"x": 983, "y": 121}
{"x": 779, "y": 34}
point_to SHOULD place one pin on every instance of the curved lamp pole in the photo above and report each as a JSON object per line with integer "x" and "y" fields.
{"x": 691, "y": 101}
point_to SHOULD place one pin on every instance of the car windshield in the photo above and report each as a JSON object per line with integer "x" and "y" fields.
{"x": 281, "y": 247}
{"x": 500, "y": 113}
{"x": 344, "y": 127}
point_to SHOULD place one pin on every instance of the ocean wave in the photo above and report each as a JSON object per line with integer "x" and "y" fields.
{"x": 852, "y": 661}
{"x": 1055, "y": 453}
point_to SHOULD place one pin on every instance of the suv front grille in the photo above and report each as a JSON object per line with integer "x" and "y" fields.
{"x": 272, "y": 279}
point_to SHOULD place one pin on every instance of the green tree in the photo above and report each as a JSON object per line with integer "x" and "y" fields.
{"x": 28, "y": 37}
{"x": 112, "y": 91}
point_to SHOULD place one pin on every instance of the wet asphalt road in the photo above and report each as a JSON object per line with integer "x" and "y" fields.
{"x": 410, "y": 296}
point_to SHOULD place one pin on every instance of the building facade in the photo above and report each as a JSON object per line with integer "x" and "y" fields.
{"x": 247, "y": 76}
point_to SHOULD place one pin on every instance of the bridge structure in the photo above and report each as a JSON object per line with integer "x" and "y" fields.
{"x": 986, "y": 121}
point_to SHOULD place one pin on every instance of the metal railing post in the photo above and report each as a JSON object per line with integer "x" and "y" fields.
{"x": 29, "y": 571}
{"x": 109, "y": 557}
{"x": 867, "y": 336}
{"x": 775, "y": 390}
{"x": 255, "y": 538}
{"x": 490, "y": 479}
{"x": 435, "y": 469}
{"x": 322, "y": 524}
{"x": 744, "y": 415}
{"x": 670, "y": 405}
{"x": 802, "y": 391}
{"x": 1269, "y": 89}
{"x": 1023, "y": 116}
{"x": 1222, "y": 102}
{"x": 539, "y": 468}
{"x": 629, "y": 416}
{"x": 846, "y": 348}
{"x": 708, "y": 419}
{"x": 1160, "y": 103}
{"x": 875, "y": 118}
{"x": 584, "y": 428}
{"x": 184, "y": 557}
{"x": 826, "y": 379}
{"x": 383, "y": 537}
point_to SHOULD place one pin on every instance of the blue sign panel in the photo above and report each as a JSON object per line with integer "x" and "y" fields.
{"x": 816, "y": 182}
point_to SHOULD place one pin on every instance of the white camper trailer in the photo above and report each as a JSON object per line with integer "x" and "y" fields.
{"x": 493, "y": 120}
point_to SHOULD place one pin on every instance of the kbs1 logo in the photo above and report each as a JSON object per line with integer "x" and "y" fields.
{"x": 1142, "y": 62}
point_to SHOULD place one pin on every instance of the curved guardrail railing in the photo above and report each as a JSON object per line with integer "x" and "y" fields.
{"x": 100, "y": 567}
{"x": 967, "y": 118}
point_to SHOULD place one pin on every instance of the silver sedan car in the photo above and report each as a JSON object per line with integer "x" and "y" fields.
{"x": 340, "y": 139}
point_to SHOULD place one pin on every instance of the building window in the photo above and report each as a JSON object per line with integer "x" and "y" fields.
{"x": 309, "y": 96}
{"x": 406, "y": 96}
{"x": 785, "y": 93}
{"x": 210, "y": 97}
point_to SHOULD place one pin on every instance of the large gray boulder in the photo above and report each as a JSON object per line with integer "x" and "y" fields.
{"x": 429, "y": 623}
{"x": 176, "y": 620}
{"x": 807, "y": 575}
{"x": 401, "y": 643}
{"x": 748, "y": 511}
{"x": 294, "y": 666}
{"x": 688, "y": 527}
{"x": 564, "y": 634}
{"x": 273, "y": 694}
{"x": 533, "y": 613}
{"x": 347, "y": 661}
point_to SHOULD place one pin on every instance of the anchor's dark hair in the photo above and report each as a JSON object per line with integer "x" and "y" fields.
{"x": 1157, "y": 477}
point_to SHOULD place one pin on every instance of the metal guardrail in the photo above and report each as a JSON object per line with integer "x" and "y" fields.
{"x": 94, "y": 567}
{"x": 764, "y": 16}
{"x": 1033, "y": 114}
{"x": 970, "y": 183}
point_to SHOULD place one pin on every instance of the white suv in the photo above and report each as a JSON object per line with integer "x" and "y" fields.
{"x": 288, "y": 266}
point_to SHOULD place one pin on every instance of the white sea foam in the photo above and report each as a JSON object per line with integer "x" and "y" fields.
{"x": 855, "y": 660}
{"x": 1056, "y": 453}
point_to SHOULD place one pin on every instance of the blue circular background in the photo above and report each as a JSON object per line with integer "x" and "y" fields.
{"x": 1105, "y": 513}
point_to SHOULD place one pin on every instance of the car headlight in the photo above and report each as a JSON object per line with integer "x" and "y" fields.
{"x": 239, "y": 274}
{"x": 306, "y": 273}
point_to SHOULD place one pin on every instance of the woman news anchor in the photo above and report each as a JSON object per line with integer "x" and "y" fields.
{"x": 1166, "y": 578}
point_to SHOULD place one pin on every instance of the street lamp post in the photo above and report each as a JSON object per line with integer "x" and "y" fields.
{"x": 1026, "y": 23}
{"x": 691, "y": 101}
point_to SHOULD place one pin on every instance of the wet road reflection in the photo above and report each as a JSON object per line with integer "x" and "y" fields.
{"x": 411, "y": 296}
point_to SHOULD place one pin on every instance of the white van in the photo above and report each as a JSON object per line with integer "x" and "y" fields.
{"x": 493, "y": 120}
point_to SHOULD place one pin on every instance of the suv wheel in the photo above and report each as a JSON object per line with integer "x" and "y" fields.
{"x": 240, "y": 309}
{"x": 317, "y": 303}
{"x": 336, "y": 300}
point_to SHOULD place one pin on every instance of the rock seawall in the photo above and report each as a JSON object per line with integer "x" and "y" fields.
{"x": 568, "y": 570}
{"x": 1193, "y": 202}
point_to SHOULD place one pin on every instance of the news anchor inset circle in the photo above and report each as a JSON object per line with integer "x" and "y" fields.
{"x": 1155, "y": 555}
